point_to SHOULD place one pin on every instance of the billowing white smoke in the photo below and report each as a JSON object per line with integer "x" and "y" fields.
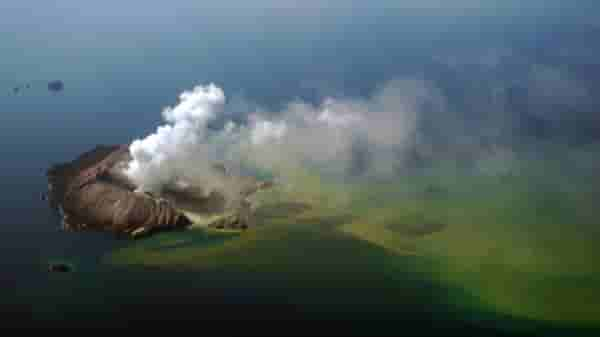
{"x": 383, "y": 125}
{"x": 264, "y": 131}
{"x": 183, "y": 150}
{"x": 178, "y": 150}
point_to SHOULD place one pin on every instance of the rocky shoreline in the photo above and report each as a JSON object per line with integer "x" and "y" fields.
{"x": 91, "y": 193}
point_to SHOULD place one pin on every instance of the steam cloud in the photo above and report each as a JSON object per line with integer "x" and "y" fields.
{"x": 183, "y": 150}
{"x": 178, "y": 151}
{"x": 402, "y": 123}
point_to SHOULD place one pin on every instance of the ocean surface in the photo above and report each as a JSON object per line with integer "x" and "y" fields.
{"x": 121, "y": 68}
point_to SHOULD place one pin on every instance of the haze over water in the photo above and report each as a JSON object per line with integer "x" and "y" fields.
{"x": 514, "y": 76}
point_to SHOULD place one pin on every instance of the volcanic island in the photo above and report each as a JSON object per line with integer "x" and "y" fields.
{"x": 93, "y": 193}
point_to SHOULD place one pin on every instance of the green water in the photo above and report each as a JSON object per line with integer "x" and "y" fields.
{"x": 513, "y": 253}
{"x": 515, "y": 250}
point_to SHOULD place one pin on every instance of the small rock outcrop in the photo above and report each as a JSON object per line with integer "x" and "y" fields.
{"x": 59, "y": 268}
{"x": 56, "y": 86}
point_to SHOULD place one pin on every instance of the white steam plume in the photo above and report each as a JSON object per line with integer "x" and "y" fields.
{"x": 184, "y": 149}
{"x": 178, "y": 149}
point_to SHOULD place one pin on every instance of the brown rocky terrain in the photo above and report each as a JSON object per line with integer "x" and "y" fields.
{"x": 92, "y": 193}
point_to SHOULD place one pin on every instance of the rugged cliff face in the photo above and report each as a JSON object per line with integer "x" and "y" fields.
{"x": 92, "y": 193}
{"x": 89, "y": 197}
